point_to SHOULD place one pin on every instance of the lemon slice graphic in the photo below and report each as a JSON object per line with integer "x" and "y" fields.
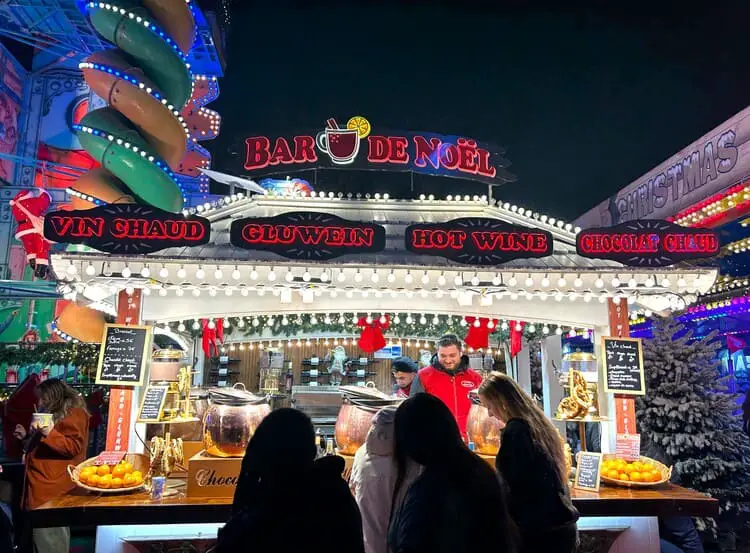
{"x": 361, "y": 124}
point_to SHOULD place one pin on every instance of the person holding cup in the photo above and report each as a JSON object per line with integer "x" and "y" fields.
{"x": 58, "y": 437}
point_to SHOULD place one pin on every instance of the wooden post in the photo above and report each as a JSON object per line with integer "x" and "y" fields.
{"x": 619, "y": 326}
{"x": 121, "y": 397}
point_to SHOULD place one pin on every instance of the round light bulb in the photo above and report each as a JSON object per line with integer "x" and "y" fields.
{"x": 423, "y": 320}
{"x": 408, "y": 278}
{"x": 562, "y": 282}
{"x": 90, "y": 270}
{"x": 253, "y": 275}
{"x": 531, "y": 328}
{"x": 357, "y": 277}
{"x": 181, "y": 272}
{"x": 218, "y": 274}
{"x": 632, "y": 283}
{"x": 458, "y": 281}
{"x": 391, "y": 277}
{"x": 615, "y": 282}
{"x": 545, "y": 282}
{"x": 441, "y": 280}
{"x": 272, "y": 275}
{"x": 529, "y": 281}
{"x": 125, "y": 272}
{"x": 200, "y": 274}
{"x": 545, "y": 329}
{"x": 578, "y": 282}
{"x": 236, "y": 274}
{"x": 375, "y": 277}
{"x": 599, "y": 283}
{"x": 512, "y": 281}
{"x": 181, "y": 327}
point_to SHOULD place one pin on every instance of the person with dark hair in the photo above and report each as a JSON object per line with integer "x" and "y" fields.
{"x": 404, "y": 371}
{"x": 48, "y": 450}
{"x": 279, "y": 470}
{"x": 450, "y": 379}
{"x": 531, "y": 462}
{"x": 456, "y": 504}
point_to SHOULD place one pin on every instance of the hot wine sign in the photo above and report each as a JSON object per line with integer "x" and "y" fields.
{"x": 647, "y": 243}
{"x": 353, "y": 145}
{"x": 126, "y": 228}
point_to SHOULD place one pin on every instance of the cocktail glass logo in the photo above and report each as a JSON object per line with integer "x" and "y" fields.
{"x": 342, "y": 145}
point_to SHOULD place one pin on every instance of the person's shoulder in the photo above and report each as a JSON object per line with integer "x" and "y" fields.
{"x": 475, "y": 375}
{"x": 426, "y": 372}
{"x": 516, "y": 427}
{"x": 77, "y": 414}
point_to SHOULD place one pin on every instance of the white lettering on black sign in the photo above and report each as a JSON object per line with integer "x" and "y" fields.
{"x": 623, "y": 366}
{"x": 588, "y": 471}
{"x": 122, "y": 357}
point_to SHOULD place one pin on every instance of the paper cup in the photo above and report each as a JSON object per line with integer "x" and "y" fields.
{"x": 41, "y": 420}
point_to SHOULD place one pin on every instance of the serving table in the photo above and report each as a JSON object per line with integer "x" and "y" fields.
{"x": 630, "y": 514}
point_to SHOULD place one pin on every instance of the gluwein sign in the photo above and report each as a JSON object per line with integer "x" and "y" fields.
{"x": 647, "y": 243}
{"x": 126, "y": 228}
{"x": 307, "y": 235}
{"x": 354, "y": 145}
{"x": 478, "y": 241}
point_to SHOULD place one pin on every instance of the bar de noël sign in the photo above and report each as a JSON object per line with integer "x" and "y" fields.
{"x": 647, "y": 243}
{"x": 126, "y": 228}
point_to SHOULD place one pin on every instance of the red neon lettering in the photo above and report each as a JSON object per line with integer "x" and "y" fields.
{"x": 620, "y": 243}
{"x": 144, "y": 229}
{"x": 448, "y": 156}
{"x": 691, "y": 243}
{"x": 438, "y": 239}
{"x": 398, "y": 146}
{"x": 304, "y": 149}
{"x": 467, "y": 151}
{"x": 281, "y": 153}
{"x": 424, "y": 152}
{"x": 79, "y": 227}
{"x": 510, "y": 241}
{"x": 256, "y": 152}
{"x": 483, "y": 164}
{"x": 378, "y": 150}
{"x": 308, "y": 235}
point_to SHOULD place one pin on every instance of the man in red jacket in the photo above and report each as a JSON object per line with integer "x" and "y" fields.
{"x": 450, "y": 379}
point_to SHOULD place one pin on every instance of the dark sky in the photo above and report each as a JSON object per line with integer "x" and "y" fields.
{"x": 583, "y": 100}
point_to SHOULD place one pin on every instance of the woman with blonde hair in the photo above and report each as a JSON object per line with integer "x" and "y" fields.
{"x": 532, "y": 464}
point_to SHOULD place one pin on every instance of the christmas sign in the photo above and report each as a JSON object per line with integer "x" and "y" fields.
{"x": 307, "y": 235}
{"x": 356, "y": 145}
{"x": 623, "y": 366}
{"x": 126, "y": 228}
{"x": 647, "y": 243}
{"x": 478, "y": 241}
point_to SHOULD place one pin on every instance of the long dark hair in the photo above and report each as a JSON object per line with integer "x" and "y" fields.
{"x": 58, "y": 398}
{"x": 426, "y": 433}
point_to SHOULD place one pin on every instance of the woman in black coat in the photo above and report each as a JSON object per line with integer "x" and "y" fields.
{"x": 456, "y": 504}
{"x": 532, "y": 465}
{"x": 283, "y": 494}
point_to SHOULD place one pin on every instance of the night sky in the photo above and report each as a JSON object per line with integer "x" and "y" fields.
{"x": 584, "y": 101}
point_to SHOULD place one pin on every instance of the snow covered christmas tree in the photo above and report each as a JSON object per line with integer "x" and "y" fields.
{"x": 689, "y": 421}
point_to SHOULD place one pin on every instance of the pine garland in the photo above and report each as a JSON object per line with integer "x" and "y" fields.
{"x": 52, "y": 353}
{"x": 688, "y": 420}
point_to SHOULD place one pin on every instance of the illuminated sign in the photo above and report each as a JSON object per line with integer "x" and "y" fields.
{"x": 353, "y": 145}
{"x": 647, "y": 243}
{"x": 478, "y": 241}
{"x": 307, "y": 235}
{"x": 126, "y": 228}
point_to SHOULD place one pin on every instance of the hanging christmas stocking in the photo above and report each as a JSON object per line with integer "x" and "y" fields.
{"x": 516, "y": 337}
{"x": 478, "y": 336}
{"x": 371, "y": 338}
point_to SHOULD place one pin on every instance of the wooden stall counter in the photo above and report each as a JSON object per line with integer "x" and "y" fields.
{"x": 80, "y": 508}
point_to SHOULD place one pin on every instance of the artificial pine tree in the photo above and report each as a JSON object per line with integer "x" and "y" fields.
{"x": 689, "y": 421}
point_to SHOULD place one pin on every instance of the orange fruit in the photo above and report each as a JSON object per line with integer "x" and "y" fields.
{"x": 128, "y": 481}
{"x": 655, "y": 475}
{"x": 612, "y": 473}
{"x": 93, "y": 480}
{"x": 624, "y": 477}
{"x": 102, "y": 470}
{"x": 635, "y": 476}
{"x": 137, "y": 478}
{"x": 361, "y": 124}
{"x": 116, "y": 482}
{"x": 118, "y": 471}
{"x": 138, "y": 475}
{"x": 105, "y": 481}
{"x": 127, "y": 467}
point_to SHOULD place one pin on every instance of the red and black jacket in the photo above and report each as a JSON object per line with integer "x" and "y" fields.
{"x": 452, "y": 387}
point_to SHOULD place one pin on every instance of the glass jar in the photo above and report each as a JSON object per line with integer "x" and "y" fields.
{"x": 231, "y": 420}
{"x": 165, "y": 365}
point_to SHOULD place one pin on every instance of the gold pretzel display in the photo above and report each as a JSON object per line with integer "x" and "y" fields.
{"x": 166, "y": 454}
{"x": 580, "y": 400}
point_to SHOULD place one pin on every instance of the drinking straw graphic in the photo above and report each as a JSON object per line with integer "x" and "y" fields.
{"x": 332, "y": 123}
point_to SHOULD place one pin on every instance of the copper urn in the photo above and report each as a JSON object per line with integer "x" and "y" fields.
{"x": 483, "y": 429}
{"x": 231, "y": 420}
{"x": 360, "y": 403}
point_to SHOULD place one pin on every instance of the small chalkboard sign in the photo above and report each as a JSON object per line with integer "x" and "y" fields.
{"x": 123, "y": 355}
{"x": 152, "y": 405}
{"x": 623, "y": 366}
{"x": 588, "y": 471}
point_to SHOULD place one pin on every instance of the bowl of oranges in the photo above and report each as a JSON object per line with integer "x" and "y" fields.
{"x": 126, "y": 476}
{"x": 643, "y": 473}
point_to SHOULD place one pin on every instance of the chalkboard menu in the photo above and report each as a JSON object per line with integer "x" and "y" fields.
{"x": 623, "y": 366}
{"x": 153, "y": 404}
{"x": 588, "y": 471}
{"x": 123, "y": 355}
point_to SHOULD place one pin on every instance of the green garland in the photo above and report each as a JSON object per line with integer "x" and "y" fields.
{"x": 53, "y": 353}
{"x": 302, "y": 325}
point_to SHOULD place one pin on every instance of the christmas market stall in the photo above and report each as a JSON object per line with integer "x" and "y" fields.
{"x": 307, "y": 298}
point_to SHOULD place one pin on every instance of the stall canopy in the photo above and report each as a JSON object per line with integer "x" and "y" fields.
{"x": 460, "y": 256}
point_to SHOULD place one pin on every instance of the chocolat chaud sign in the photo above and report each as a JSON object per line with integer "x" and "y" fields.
{"x": 126, "y": 228}
{"x": 307, "y": 235}
{"x": 647, "y": 243}
{"x": 478, "y": 241}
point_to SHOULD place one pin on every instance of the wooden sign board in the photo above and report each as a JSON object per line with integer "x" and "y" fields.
{"x": 588, "y": 471}
{"x": 152, "y": 405}
{"x": 123, "y": 355}
{"x": 623, "y": 366}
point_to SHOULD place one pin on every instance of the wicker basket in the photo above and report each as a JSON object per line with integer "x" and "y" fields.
{"x": 139, "y": 461}
{"x": 664, "y": 471}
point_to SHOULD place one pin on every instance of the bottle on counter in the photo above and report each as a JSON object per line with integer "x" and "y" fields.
{"x": 288, "y": 382}
{"x": 317, "y": 438}
{"x": 329, "y": 447}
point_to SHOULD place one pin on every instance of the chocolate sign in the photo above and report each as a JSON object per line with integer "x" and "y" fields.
{"x": 357, "y": 145}
{"x": 647, "y": 243}
{"x": 478, "y": 241}
{"x": 126, "y": 228}
{"x": 307, "y": 235}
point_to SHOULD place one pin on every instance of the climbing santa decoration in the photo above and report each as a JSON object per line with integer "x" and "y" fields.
{"x": 28, "y": 208}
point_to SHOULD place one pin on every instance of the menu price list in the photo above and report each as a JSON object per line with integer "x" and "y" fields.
{"x": 588, "y": 471}
{"x": 623, "y": 366}
{"x": 153, "y": 403}
{"x": 122, "y": 357}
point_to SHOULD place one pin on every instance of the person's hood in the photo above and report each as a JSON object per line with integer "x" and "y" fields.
{"x": 381, "y": 438}
{"x": 462, "y": 366}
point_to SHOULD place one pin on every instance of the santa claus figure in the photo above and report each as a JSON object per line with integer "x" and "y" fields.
{"x": 28, "y": 209}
